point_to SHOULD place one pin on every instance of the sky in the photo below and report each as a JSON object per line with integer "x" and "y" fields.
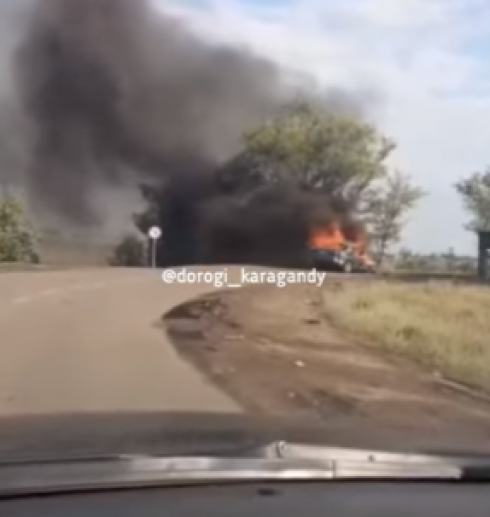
{"x": 428, "y": 62}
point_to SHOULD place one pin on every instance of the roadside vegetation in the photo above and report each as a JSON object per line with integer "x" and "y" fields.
{"x": 18, "y": 241}
{"x": 439, "y": 326}
{"x": 130, "y": 252}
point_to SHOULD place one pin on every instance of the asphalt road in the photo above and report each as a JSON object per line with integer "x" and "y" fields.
{"x": 90, "y": 340}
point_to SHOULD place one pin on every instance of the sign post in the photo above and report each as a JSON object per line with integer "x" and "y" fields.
{"x": 155, "y": 233}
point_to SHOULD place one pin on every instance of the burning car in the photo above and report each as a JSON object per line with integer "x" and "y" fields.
{"x": 330, "y": 249}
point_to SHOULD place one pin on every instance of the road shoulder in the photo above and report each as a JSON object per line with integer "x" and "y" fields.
{"x": 274, "y": 353}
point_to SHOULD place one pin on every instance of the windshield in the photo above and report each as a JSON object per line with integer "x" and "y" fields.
{"x": 177, "y": 181}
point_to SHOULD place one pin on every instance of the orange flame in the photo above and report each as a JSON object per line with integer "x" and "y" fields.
{"x": 332, "y": 237}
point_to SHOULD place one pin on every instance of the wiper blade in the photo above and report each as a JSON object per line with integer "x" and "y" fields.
{"x": 375, "y": 464}
{"x": 289, "y": 450}
{"x": 278, "y": 461}
{"x": 474, "y": 473}
{"x": 131, "y": 472}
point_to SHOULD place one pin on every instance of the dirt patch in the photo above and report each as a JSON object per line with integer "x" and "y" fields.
{"x": 274, "y": 351}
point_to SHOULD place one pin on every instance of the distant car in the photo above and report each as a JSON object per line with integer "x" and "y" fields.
{"x": 340, "y": 260}
{"x": 332, "y": 259}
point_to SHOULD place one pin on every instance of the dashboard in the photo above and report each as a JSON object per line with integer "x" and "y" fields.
{"x": 311, "y": 499}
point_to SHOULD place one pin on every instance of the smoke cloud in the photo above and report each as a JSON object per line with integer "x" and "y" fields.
{"x": 113, "y": 93}
{"x": 118, "y": 92}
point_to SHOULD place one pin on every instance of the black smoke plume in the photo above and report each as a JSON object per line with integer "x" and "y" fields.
{"x": 119, "y": 94}
{"x": 115, "y": 90}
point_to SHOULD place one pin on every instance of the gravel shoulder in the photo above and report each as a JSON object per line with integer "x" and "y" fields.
{"x": 275, "y": 352}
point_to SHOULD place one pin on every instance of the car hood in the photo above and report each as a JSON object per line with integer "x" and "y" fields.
{"x": 58, "y": 437}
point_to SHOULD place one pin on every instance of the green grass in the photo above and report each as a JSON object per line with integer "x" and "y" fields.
{"x": 444, "y": 328}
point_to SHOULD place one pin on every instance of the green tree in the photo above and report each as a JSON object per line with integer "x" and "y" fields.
{"x": 311, "y": 148}
{"x": 306, "y": 149}
{"x": 18, "y": 241}
{"x": 388, "y": 207}
{"x": 130, "y": 252}
{"x": 475, "y": 193}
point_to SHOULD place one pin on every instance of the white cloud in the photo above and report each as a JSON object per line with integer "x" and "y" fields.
{"x": 427, "y": 57}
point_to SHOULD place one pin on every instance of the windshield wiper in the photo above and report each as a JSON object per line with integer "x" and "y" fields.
{"x": 278, "y": 461}
{"x": 366, "y": 464}
{"x": 290, "y": 450}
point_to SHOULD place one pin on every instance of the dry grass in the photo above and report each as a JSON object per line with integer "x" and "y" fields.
{"x": 442, "y": 327}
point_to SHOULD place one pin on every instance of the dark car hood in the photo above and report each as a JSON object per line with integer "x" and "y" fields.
{"x": 78, "y": 435}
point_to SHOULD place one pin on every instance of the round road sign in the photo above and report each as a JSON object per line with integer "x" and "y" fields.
{"x": 155, "y": 233}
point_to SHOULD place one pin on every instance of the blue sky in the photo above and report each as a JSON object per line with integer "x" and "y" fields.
{"x": 430, "y": 60}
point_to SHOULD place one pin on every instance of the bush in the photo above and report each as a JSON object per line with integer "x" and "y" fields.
{"x": 17, "y": 237}
{"x": 130, "y": 252}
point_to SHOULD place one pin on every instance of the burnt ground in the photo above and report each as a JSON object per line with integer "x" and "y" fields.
{"x": 275, "y": 352}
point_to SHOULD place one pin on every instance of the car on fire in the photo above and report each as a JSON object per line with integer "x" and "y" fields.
{"x": 330, "y": 249}
{"x": 343, "y": 260}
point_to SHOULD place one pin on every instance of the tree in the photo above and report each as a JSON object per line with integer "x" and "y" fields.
{"x": 307, "y": 165}
{"x": 130, "y": 252}
{"x": 388, "y": 208}
{"x": 310, "y": 147}
{"x": 17, "y": 237}
{"x": 475, "y": 193}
